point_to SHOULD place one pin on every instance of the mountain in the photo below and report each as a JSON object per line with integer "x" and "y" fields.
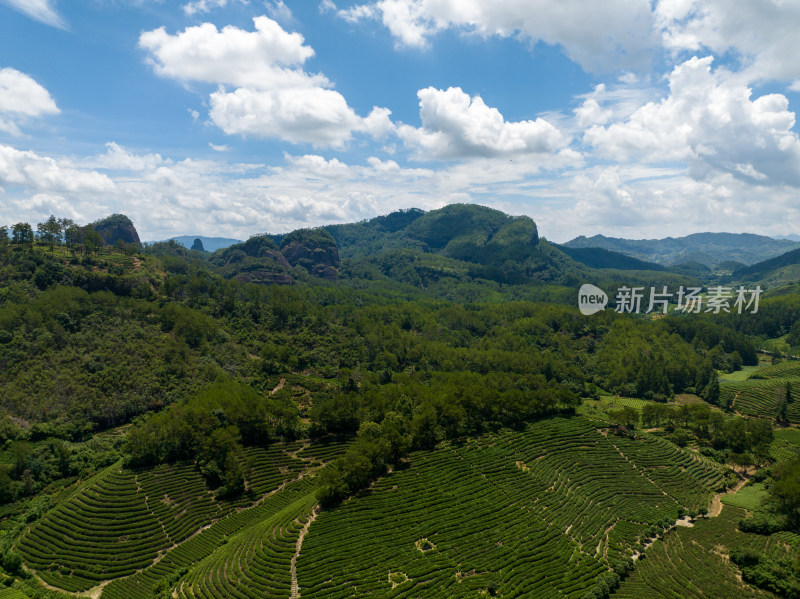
{"x": 706, "y": 248}
{"x": 602, "y": 258}
{"x": 210, "y": 244}
{"x": 260, "y": 260}
{"x": 790, "y": 237}
{"x": 314, "y": 250}
{"x": 116, "y": 228}
{"x": 765, "y": 268}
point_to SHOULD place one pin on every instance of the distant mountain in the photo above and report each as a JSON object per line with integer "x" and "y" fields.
{"x": 791, "y": 237}
{"x": 761, "y": 269}
{"x": 708, "y": 249}
{"x": 602, "y": 258}
{"x": 210, "y": 244}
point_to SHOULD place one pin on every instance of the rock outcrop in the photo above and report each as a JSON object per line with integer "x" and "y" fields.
{"x": 116, "y": 228}
{"x": 314, "y": 250}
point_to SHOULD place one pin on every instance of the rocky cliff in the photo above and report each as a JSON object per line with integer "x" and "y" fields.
{"x": 115, "y": 228}
{"x": 314, "y": 250}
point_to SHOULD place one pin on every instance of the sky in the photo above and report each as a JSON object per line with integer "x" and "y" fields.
{"x": 627, "y": 118}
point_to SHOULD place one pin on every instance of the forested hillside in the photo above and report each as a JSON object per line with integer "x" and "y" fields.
{"x": 323, "y": 413}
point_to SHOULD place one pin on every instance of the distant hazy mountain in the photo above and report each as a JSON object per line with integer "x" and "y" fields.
{"x": 210, "y": 244}
{"x": 792, "y": 237}
{"x": 761, "y": 269}
{"x": 601, "y": 258}
{"x": 708, "y": 249}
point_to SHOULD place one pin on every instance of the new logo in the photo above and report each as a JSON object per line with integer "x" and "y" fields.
{"x": 591, "y": 299}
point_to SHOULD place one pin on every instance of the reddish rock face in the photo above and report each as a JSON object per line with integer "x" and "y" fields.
{"x": 319, "y": 258}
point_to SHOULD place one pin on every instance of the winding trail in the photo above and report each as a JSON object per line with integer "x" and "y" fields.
{"x": 298, "y": 546}
{"x": 716, "y": 502}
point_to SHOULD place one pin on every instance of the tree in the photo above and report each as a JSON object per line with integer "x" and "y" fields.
{"x": 626, "y": 416}
{"x": 92, "y": 240}
{"x": 711, "y": 390}
{"x": 22, "y": 234}
{"x": 72, "y": 233}
{"x": 3, "y": 235}
{"x": 50, "y": 231}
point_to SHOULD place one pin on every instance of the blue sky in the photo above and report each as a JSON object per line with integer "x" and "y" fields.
{"x": 631, "y": 118}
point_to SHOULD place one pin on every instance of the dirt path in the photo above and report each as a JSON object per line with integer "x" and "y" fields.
{"x": 299, "y": 545}
{"x": 278, "y": 387}
{"x": 608, "y": 532}
{"x": 716, "y": 502}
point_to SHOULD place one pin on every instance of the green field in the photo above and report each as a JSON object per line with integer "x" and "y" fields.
{"x": 539, "y": 512}
{"x": 760, "y": 397}
{"x": 748, "y": 497}
{"x": 544, "y": 510}
{"x": 791, "y": 435}
{"x": 693, "y": 562}
{"x": 738, "y": 375}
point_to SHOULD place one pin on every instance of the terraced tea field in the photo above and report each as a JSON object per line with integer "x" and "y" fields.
{"x": 540, "y": 512}
{"x": 125, "y": 532}
{"x": 537, "y": 513}
{"x": 783, "y": 370}
{"x": 693, "y": 562}
{"x": 760, "y": 397}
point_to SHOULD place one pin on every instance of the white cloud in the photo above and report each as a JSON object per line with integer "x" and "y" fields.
{"x": 599, "y": 36}
{"x": 709, "y": 121}
{"x": 118, "y": 158}
{"x": 274, "y": 96}
{"x": 590, "y": 112}
{"x": 44, "y": 174}
{"x": 763, "y": 32}
{"x": 166, "y": 196}
{"x": 204, "y": 6}
{"x": 317, "y": 116}
{"x": 456, "y": 125}
{"x": 21, "y": 98}
{"x": 645, "y": 202}
{"x": 218, "y": 148}
{"x": 279, "y": 11}
{"x": 39, "y": 10}
{"x": 262, "y": 59}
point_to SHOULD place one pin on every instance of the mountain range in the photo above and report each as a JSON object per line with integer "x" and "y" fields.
{"x": 709, "y": 249}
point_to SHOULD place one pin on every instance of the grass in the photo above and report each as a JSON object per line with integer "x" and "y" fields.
{"x": 792, "y": 435}
{"x": 748, "y": 497}
{"x": 738, "y": 375}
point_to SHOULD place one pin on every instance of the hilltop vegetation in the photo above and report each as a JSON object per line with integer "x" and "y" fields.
{"x": 386, "y": 408}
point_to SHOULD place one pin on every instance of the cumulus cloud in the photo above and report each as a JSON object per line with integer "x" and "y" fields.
{"x": 39, "y": 10}
{"x": 41, "y": 173}
{"x": 317, "y": 116}
{"x": 762, "y": 32}
{"x": 274, "y": 96}
{"x": 710, "y": 121}
{"x": 600, "y": 36}
{"x": 21, "y": 97}
{"x": 457, "y": 125}
{"x": 655, "y": 202}
{"x": 264, "y": 58}
{"x": 118, "y": 158}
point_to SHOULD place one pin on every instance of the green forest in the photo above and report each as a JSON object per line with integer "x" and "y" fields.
{"x": 410, "y": 406}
